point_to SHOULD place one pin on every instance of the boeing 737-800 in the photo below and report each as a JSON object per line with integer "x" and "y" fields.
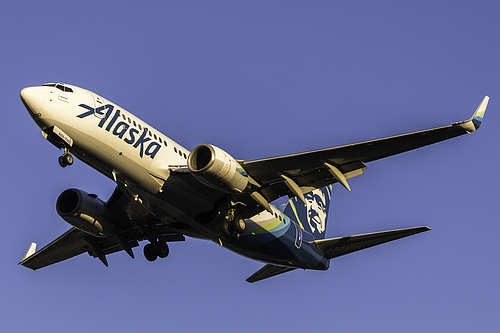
{"x": 165, "y": 192}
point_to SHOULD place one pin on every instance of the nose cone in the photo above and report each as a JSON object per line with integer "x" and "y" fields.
{"x": 33, "y": 98}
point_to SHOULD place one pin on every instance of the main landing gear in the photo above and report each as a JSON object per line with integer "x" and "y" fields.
{"x": 153, "y": 251}
{"x": 233, "y": 224}
{"x": 65, "y": 159}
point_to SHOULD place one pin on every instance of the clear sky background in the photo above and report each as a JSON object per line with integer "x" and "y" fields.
{"x": 258, "y": 79}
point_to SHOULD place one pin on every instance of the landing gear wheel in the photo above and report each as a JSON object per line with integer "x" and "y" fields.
{"x": 225, "y": 229}
{"x": 65, "y": 160}
{"x": 162, "y": 249}
{"x": 62, "y": 163}
{"x": 239, "y": 225}
{"x": 150, "y": 252}
{"x": 68, "y": 159}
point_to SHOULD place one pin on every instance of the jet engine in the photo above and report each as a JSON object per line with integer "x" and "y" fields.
{"x": 217, "y": 169}
{"x": 85, "y": 212}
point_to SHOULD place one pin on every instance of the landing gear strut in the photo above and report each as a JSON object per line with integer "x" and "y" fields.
{"x": 65, "y": 159}
{"x": 153, "y": 251}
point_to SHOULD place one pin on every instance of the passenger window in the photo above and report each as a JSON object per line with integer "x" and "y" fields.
{"x": 124, "y": 117}
{"x": 129, "y": 121}
{"x": 140, "y": 127}
{"x": 175, "y": 149}
{"x": 134, "y": 123}
{"x": 155, "y": 137}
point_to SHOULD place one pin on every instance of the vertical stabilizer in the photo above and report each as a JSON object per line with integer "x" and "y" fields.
{"x": 311, "y": 216}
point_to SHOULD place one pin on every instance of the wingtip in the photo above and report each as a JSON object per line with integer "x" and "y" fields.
{"x": 477, "y": 118}
{"x": 475, "y": 121}
{"x": 27, "y": 255}
{"x": 30, "y": 252}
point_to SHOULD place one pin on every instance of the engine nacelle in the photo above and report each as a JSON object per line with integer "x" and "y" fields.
{"x": 85, "y": 212}
{"x": 215, "y": 168}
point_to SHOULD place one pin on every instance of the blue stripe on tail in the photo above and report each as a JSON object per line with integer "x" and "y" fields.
{"x": 311, "y": 217}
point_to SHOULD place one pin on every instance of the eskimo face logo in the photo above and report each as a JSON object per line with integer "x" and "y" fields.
{"x": 316, "y": 210}
{"x": 123, "y": 130}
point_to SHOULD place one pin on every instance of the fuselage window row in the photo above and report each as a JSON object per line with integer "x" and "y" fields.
{"x": 137, "y": 124}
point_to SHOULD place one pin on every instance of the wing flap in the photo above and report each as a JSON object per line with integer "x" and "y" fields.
{"x": 336, "y": 247}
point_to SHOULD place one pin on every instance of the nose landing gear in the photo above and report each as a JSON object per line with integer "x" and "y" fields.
{"x": 65, "y": 159}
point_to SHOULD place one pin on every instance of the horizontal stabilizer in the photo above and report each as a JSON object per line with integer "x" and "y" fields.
{"x": 336, "y": 247}
{"x": 268, "y": 271}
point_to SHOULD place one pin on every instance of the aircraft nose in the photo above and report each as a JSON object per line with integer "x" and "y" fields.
{"x": 33, "y": 98}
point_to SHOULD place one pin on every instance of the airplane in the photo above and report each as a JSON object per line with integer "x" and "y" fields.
{"x": 165, "y": 193}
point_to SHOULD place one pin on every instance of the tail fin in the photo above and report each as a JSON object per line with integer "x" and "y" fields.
{"x": 311, "y": 217}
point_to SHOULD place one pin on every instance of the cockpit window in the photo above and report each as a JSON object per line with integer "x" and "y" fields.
{"x": 59, "y": 86}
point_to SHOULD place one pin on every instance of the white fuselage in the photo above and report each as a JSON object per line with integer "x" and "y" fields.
{"x": 130, "y": 147}
{"x": 113, "y": 141}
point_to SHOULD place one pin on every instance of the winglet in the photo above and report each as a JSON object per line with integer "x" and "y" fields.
{"x": 477, "y": 118}
{"x": 31, "y": 250}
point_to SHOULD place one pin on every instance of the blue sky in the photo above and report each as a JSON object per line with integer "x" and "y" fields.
{"x": 259, "y": 79}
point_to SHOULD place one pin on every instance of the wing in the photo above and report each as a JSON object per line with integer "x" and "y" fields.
{"x": 75, "y": 242}
{"x": 303, "y": 172}
{"x": 70, "y": 244}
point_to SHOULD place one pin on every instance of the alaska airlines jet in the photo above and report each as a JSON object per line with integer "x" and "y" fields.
{"x": 165, "y": 192}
